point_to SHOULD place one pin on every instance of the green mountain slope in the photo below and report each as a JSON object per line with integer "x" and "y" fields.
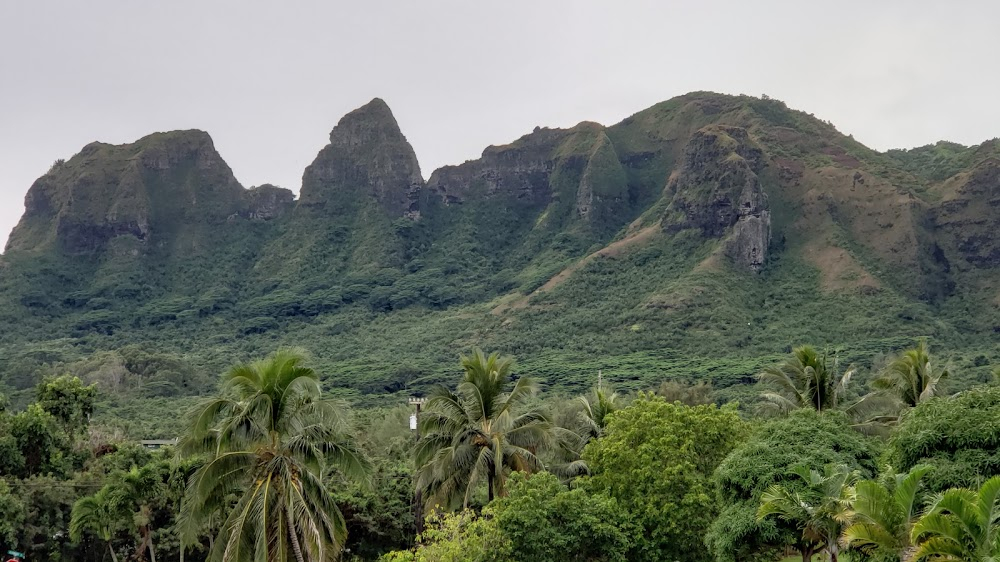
{"x": 696, "y": 239}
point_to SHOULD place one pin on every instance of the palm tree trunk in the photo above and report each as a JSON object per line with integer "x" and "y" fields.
{"x": 807, "y": 554}
{"x": 292, "y": 536}
{"x": 149, "y": 544}
{"x": 490, "y": 489}
{"x": 114, "y": 556}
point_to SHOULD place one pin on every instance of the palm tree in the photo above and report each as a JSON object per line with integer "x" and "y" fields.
{"x": 94, "y": 513}
{"x": 883, "y": 516}
{"x": 268, "y": 438}
{"x": 587, "y": 422}
{"x": 911, "y": 377}
{"x": 129, "y": 496}
{"x": 805, "y": 380}
{"x": 134, "y": 494}
{"x": 596, "y": 407}
{"x": 479, "y": 433}
{"x": 961, "y": 525}
{"x": 819, "y": 509}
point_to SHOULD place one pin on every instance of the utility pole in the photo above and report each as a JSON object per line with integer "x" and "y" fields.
{"x": 418, "y": 499}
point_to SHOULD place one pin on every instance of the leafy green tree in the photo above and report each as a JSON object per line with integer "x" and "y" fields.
{"x": 268, "y": 438}
{"x": 956, "y": 435}
{"x": 912, "y": 377}
{"x": 819, "y": 508}
{"x": 48, "y": 502}
{"x": 765, "y": 459}
{"x": 11, "y": 515}
{"x": 457, "y": 537}
{"x": 380, "y": 516}
{"x": 883, "y": 513}
{"x": 480, "y": 433}
{"x": 961, "y": 525}
{"x": 805, "y": 380}
{"x": 69, "y": 401}
{"x": 545, "y": 522}
{"x": 656, "y": 459}
{"x": 42, "y": 443}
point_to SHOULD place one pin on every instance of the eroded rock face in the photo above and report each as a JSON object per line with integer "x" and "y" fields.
{"x": 520, "y": 170}
{"x": 571, "y": 174}
{"x": 969, "y": 217}
{"x": 367, "y": 155}
{"x": 267, "y": 202}
{"x": 717, "y": 191}
{"x": 107, "y": 191}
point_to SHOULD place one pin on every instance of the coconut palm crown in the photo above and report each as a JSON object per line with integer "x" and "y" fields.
{"x": 479, "y": 433}
{"x": 268, "y": 439}
{"x": 805, "y": 380}
{"x": 912, "y": 377}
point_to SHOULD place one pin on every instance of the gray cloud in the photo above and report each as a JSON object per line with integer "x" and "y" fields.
{"x": 269, "y": 80}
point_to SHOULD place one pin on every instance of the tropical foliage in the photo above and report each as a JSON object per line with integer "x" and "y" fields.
{"x": 766, "y": 459}
{"x": 961, "y": 525}
{"x": 818, "y": 509}
{"x": 479, "y": 433}
{"x": 956, "y": 435}
{"x": 268, "y": 439}
{"x": 883, "y": 513}
{"x": 656, "y": 459}
{"x": 274, "y": 467}
{"x": 912, "y": 377}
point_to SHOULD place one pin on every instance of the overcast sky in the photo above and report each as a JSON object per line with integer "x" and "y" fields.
{"x": 269, "y": 80}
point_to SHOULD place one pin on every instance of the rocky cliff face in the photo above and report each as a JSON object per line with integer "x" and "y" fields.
{"x": 573, "y": 176}
{"x": 519, "y": 171}
{"x": 267, "y": 202}
{"x": 133, "y": 190}
{"x": 367, "y": 155}
{"x": 969, "y": 215}
{"x": 717, "y": 191}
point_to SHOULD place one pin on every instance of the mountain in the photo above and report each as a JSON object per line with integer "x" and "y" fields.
{"x": 696, "y": 239}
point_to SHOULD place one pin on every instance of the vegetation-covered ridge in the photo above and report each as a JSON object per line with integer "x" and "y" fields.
{"x": 690, "y": 241}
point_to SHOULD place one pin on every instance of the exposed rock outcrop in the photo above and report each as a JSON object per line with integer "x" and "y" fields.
{"x": 717, "y": 191}
{"x": 107, "y": 191}
{"x": 367, "y": 155}
{"x": 573, "y": 175}
{"x": 968, "y": 214}
{"x": 267, "y": 202}
{"x": 520, "y": 170}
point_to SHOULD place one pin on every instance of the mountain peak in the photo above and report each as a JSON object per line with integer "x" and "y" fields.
{"x": 367, "y": 153}
{"x": 107, "y": 190}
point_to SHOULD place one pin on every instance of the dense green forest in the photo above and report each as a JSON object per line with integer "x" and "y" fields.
{"x": 274, "y": 467}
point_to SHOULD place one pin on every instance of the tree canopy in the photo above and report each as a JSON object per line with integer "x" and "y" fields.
{"x": 959, "y": 436}
{"x": 804, "y": 437}
{"x": 656, "y": 459}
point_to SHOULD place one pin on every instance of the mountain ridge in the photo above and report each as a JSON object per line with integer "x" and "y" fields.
{"x": 697, "y": 223}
